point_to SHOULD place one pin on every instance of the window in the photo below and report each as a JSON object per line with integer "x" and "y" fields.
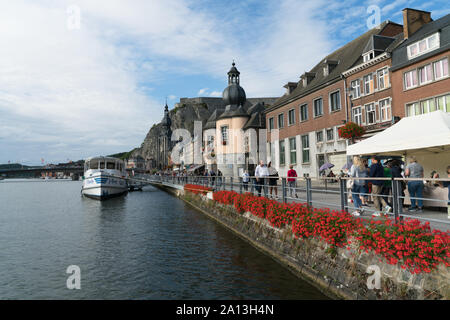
{"x": 281, "y": 120}
{"x": 370, "y": 113}
{"x": 271, "y": 126}
{"x": 318, "y": 107}
{"x": 335, "y": 101}
{"x": 291, "y": 116}
{"x": 224, "y": 131}
{"x": 385, "y": 109}
{"x": 210, "y": 142}
{"x": 357, "y": 115}
{"x": 425, "y": 74}
{"x": 368, "y": 84}
{"x": 410, "y": 79}
{"x": 413, "y": 109}
{"x": 305, "y": 149}
{"x": 423, "y": 46}
{"x": 304, "y": 112}
{"x": 102, "y": 165}
{"x": 383, "y": 78}
{"x": 368, "y": 56}
{"x": 356, "y": 85}
{"x": 427, "y": 106}
{"x": 319, "y": 136}
{"x": 282, "y": 153}
{"x": 292, "y": 151}
{"x": 330, "y": 134}
{"x": 441, "y": 69}
{"x": 443, "y": 103}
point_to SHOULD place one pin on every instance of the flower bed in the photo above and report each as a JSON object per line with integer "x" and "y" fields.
{"x": 197, "y": 189}
{"x": 410, "y": 243}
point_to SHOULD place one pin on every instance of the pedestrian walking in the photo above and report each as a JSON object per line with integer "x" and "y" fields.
{"x": 245, "y": 179}
{"x": 261, "y": 172}
{"x": 273, "y": 180}
{"x": 377, "y": 171}
{"x": 358, "y": 170}
{"x": 415, "y": 188}
{"x": 292, "y": 181}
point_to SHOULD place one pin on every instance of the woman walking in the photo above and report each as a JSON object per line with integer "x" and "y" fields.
{"x": 358, "y": 170}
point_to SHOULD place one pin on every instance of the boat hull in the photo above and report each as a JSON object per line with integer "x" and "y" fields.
{"x": 102, "y": 186}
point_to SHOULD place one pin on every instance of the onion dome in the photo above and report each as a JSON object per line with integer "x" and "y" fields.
{"x": 234, "y": 94}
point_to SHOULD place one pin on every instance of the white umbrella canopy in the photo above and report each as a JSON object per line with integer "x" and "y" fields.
{"x": 426, "y": 132}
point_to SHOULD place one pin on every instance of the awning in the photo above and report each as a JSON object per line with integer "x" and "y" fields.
{"x": 429, "y": 132}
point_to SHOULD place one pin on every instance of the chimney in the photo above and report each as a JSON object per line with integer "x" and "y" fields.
{"x": 414, "y": 19}
{"x": 290, "y": 86}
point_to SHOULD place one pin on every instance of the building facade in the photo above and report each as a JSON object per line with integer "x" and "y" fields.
{"x": 308, "y": 116}
{"x": 420, "y": 65}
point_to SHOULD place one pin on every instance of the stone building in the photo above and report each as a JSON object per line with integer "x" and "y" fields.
{"x": 234, "y": 136}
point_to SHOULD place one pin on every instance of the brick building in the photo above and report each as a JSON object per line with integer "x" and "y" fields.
{"x": 420, "y": 72}
{"x": 371, "y": 96}
{"x": 307, "y": 117}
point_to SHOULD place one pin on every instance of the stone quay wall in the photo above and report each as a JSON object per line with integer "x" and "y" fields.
{"x": 338, "y": 273}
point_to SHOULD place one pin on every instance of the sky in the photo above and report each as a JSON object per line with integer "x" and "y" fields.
{"x": 86, "y": 78}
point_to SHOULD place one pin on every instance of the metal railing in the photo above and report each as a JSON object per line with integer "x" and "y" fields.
{"x": 334, "y": 194}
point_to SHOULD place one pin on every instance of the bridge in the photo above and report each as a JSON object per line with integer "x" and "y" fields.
{"x": 38, "y": 171}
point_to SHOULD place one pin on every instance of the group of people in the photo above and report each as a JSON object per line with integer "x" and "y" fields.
{"x": 266, "y": 178}
{"x": 381, "y": 189}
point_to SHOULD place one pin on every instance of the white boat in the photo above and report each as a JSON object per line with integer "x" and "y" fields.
{"x": 104, "y": 177}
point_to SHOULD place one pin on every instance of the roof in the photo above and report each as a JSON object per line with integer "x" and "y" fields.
{"x": 347, "y": 55}
{"x": 400, "y": 56}
{"x": 404, "y": 136}
{"x": 255, "y": 121}
{"x": 211, "y": 122}
{"x": 378, "y": 43}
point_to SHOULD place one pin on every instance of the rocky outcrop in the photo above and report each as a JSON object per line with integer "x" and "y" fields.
{"x": 183, "y": 115}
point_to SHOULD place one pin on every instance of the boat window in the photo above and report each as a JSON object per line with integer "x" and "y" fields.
{"x": 110, "y": 165}
{"x": 102, "y": 165}
{"x": 93, "y": 164}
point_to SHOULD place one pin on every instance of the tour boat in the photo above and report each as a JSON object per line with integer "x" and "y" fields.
{"x": 104, "y": 178}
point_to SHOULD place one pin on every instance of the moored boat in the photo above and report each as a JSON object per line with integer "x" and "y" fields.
{"x": 104, "y": 178}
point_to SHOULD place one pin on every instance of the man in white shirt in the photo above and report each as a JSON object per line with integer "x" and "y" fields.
{"x": 261, "y": 172}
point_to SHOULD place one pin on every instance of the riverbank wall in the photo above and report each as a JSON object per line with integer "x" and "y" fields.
{"x": 340, "y": 273}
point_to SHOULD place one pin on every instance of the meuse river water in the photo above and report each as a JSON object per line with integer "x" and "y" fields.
{"x": 145, "y": 245}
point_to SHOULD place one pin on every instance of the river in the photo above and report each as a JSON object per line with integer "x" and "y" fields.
{"x": 145, "y": 245}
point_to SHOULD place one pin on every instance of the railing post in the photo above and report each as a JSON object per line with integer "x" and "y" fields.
{"x": 283, "y": 189}
{"x": 308, "y": 191}
{"x": 231, "y": 184}
{"x": 240, "y": 185}
{"x": 342, "y": 188}
{"x": 394, "y": 197}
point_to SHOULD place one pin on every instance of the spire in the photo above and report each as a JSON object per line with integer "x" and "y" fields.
{"x": 233, "y": 74}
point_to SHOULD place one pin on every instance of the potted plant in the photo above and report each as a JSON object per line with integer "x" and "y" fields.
{"x": 351, "y": 131}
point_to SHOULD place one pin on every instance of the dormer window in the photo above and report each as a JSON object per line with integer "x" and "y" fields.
{"x": 307, "y": 77}
{"x": 423, "y": 46}
{"x": 368, "y": 56}
{"x": 329, "y": 66}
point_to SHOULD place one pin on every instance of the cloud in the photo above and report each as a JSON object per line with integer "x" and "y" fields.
{"x": 202, "y": 91}
{"x": 215, "y": 94}
{"x": 72, "y": 93}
